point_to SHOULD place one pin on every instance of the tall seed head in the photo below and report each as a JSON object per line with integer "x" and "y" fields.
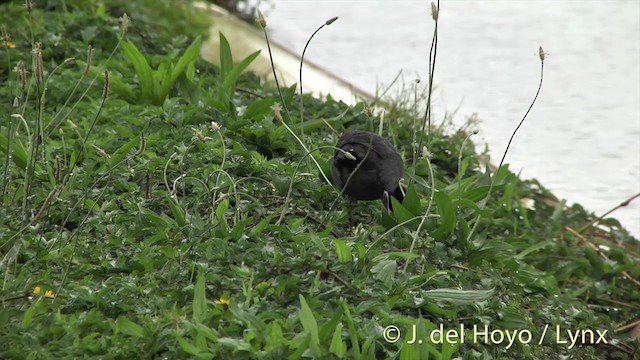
{"x": 434, "y": 11}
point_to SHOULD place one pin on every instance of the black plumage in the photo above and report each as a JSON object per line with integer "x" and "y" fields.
{"x": 380, "y": 172}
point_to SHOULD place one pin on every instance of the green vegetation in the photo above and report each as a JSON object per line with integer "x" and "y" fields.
{"x": 172, "y": 215}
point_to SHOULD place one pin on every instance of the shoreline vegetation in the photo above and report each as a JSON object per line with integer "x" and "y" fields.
{"x": 157, "y": 206}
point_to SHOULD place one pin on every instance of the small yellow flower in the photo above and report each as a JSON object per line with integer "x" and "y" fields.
{"x": 222, "y": 301}
{"x": 8, "y": 44}
{"x": 49, "y": 294}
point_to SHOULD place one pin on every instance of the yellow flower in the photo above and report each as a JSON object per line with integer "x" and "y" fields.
{"x": 222, "y": 301}
{"x": 9, "y": 44}
{"x": 49, "y": 294}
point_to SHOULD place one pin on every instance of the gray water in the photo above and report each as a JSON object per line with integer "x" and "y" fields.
{"x": 582, "y": 138}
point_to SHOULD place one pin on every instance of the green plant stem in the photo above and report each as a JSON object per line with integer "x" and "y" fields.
{"x": 93, "y": 123}
{"x": 414, "y": 238}
{"x": 7, "y": 161}
{"x": 33, "y": 153}
{"x": 275, "y": 77}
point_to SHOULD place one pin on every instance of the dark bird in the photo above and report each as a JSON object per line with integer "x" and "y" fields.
{"x": 377, "y": 177}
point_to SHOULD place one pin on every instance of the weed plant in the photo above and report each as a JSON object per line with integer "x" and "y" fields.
{"x": 156, "y": 206}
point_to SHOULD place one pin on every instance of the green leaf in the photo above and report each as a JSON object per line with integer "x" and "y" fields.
{"x": 238, "y": 229}
{"x": 368, "y": 350}
{"x": 259, "y": 109}
{"x": 491, "y": 251}
{"x": 447, "y": 215}
{"x": 401, "y": 214}
{"x": 167, "y": 75}
{"x": 222, "y": 219}
{"x": 248, "y": 318}
{"x": 10, "y": 256}
{"x": 188, "y": 58}
{"x": 142, "y": 68}
{"x": 200, "y": 298}
{"x": 411, "y": 200}
{"x": 476, "y": 194}
{"x": 329, "y": 327}
{"x": 395, "y": 255}
{"x": 226, "y": 59}
{"x": 18, "y": 151}
{"x": 338, "y": 347}
{"x": 468, "y": 204}
{"x": 464, "y": 165}
{"x": 128, "y": 327}
{"x": 456, "y": 296}
{"x": 353, "y": 331}
{"x": 229, "y": 81}
{"x": 123, "y": 150}
{"x": 314, "y": 124}
{"x": 502, "y": 176}
{"x": 343, "y": 251}
{"x": 176, "y": 211}
{"x": 310, "y": 325}
{"x": 161, "y": 82}
{"x": 259, "y": 228}
{"x": 448, "y": 349}
{"x": 385, "y": 270}
{"x": 301, "y": 345}
{"x": 28, "y": 314}
{"x": 234, "y": 344}
{"x": 193, "y": 350}
{"x": 187, "y": 346}
{"x": 149, "y": 219}
{"x": 274, "y": 335}
{"x": 533, "y": 248}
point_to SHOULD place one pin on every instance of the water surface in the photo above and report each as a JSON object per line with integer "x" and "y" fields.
{"x": 582, "y": 138}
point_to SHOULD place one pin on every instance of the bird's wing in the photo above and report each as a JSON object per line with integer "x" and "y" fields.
{"x": 390, "y": 163}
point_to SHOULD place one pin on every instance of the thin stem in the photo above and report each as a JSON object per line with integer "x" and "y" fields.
{"x": 273, "y": 69}
{"x": 328, "y": 22}
{"x": 284, "y": 105}
{"x": 504, "y": 155}
{"x": 597, "y": 220}
{"x": 433, "y": 52}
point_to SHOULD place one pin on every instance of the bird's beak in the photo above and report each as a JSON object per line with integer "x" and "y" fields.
{"x": 343, "y": 154}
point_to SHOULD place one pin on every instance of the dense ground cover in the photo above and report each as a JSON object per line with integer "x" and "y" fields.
{"x": 171, "y": 214}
